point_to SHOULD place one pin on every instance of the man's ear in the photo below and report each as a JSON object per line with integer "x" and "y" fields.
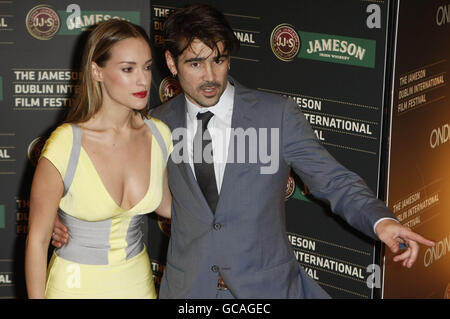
{"x": 96, "y": 72}
{"x": 170, "y": 60}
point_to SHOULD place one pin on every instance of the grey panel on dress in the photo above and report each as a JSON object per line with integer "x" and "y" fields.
{"x": 88, "y": 242}
{"x": 135, "y": 237}
{"x": 158, "y": 137}
{"x": 73, "y": 159}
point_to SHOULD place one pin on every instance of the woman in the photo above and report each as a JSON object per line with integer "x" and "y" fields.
{"x": 101, "y": 170}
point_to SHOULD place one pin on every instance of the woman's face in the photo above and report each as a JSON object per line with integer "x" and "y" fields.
{"x": 126, "y": 76}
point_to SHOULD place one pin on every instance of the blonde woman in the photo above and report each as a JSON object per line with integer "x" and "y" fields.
{"x": 100, "y": 172}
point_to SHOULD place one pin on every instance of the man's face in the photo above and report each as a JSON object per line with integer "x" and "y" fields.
{"x": 202, "y": 72}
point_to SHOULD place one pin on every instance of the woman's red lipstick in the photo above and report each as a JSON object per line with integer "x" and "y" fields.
{"x": 141, "y": 94}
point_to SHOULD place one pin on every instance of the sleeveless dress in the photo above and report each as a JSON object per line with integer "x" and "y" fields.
{"x": 105, "y": 256}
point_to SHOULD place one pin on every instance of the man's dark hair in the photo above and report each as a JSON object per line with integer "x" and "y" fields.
{"x": 202, "y": 22}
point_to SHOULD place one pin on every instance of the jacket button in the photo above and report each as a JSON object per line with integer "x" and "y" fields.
{"x": 215, "y": 268}
{"x": 217, "y": 226}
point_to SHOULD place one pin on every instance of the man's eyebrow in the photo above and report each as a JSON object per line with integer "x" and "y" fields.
{"x": 196, "y": 59}
{"x": 200, "y": 59}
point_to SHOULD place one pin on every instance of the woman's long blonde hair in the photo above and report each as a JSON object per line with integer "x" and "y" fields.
{"x": 88, "y": 100}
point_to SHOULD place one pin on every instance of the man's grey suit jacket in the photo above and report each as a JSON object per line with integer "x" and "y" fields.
{"x": 245, "y": 240}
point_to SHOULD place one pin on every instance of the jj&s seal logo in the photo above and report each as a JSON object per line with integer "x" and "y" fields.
{"x": 285, "y": 42}
{"x": 35, "y": 149}
{"x": 290, "y": 187}
{"x": 296, "y": 189}
{"x": 164, "y": 225}
{"x": 169, "y": 88}
{"x": 42, "y": 22}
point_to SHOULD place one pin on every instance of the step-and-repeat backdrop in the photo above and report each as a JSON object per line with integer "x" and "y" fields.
{"x": 333, "y": 58}
{"x": 419, "y": 173}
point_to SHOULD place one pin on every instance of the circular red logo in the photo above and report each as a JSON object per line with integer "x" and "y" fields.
{"x": 285, "y": 42}
{"x": 290, "y": 188}
{"x": 42, "y": 22}
{"x": 35, "y": 148}
{"x": 169, "y": 88}
{"x": 164, "y": 225}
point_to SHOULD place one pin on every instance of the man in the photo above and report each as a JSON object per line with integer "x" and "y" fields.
{"x": 228, "y": 236}
{"x": 238, "y": 241}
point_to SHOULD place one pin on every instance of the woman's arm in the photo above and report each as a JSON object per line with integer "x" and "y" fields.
{"x": 46, "y": 192}
{"x": 165, "y": 208}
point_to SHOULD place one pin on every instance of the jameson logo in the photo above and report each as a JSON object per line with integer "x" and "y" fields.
{"x": 337, "y": 49}
{"x": 74, "y": 22}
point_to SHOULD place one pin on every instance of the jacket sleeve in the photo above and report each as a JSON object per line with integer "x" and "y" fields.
{"x": 346, "y": 192}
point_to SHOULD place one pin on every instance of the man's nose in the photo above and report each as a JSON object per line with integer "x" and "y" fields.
{"x": 209, "y": 74}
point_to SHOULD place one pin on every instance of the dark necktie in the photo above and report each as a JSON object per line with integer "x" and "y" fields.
{"x": 203, "y": 161}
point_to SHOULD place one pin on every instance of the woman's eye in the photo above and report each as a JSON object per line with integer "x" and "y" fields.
{"x": 148, "y": 67}
{"x": 126, "y": 70}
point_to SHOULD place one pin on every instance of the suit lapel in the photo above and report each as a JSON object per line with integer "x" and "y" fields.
{"x": 244, "y": 100}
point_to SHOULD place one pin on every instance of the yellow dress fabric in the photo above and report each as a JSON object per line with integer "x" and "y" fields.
{"x": 88, "y": 200}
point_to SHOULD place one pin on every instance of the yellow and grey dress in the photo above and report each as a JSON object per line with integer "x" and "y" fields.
{"x": 105, "y": 256}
